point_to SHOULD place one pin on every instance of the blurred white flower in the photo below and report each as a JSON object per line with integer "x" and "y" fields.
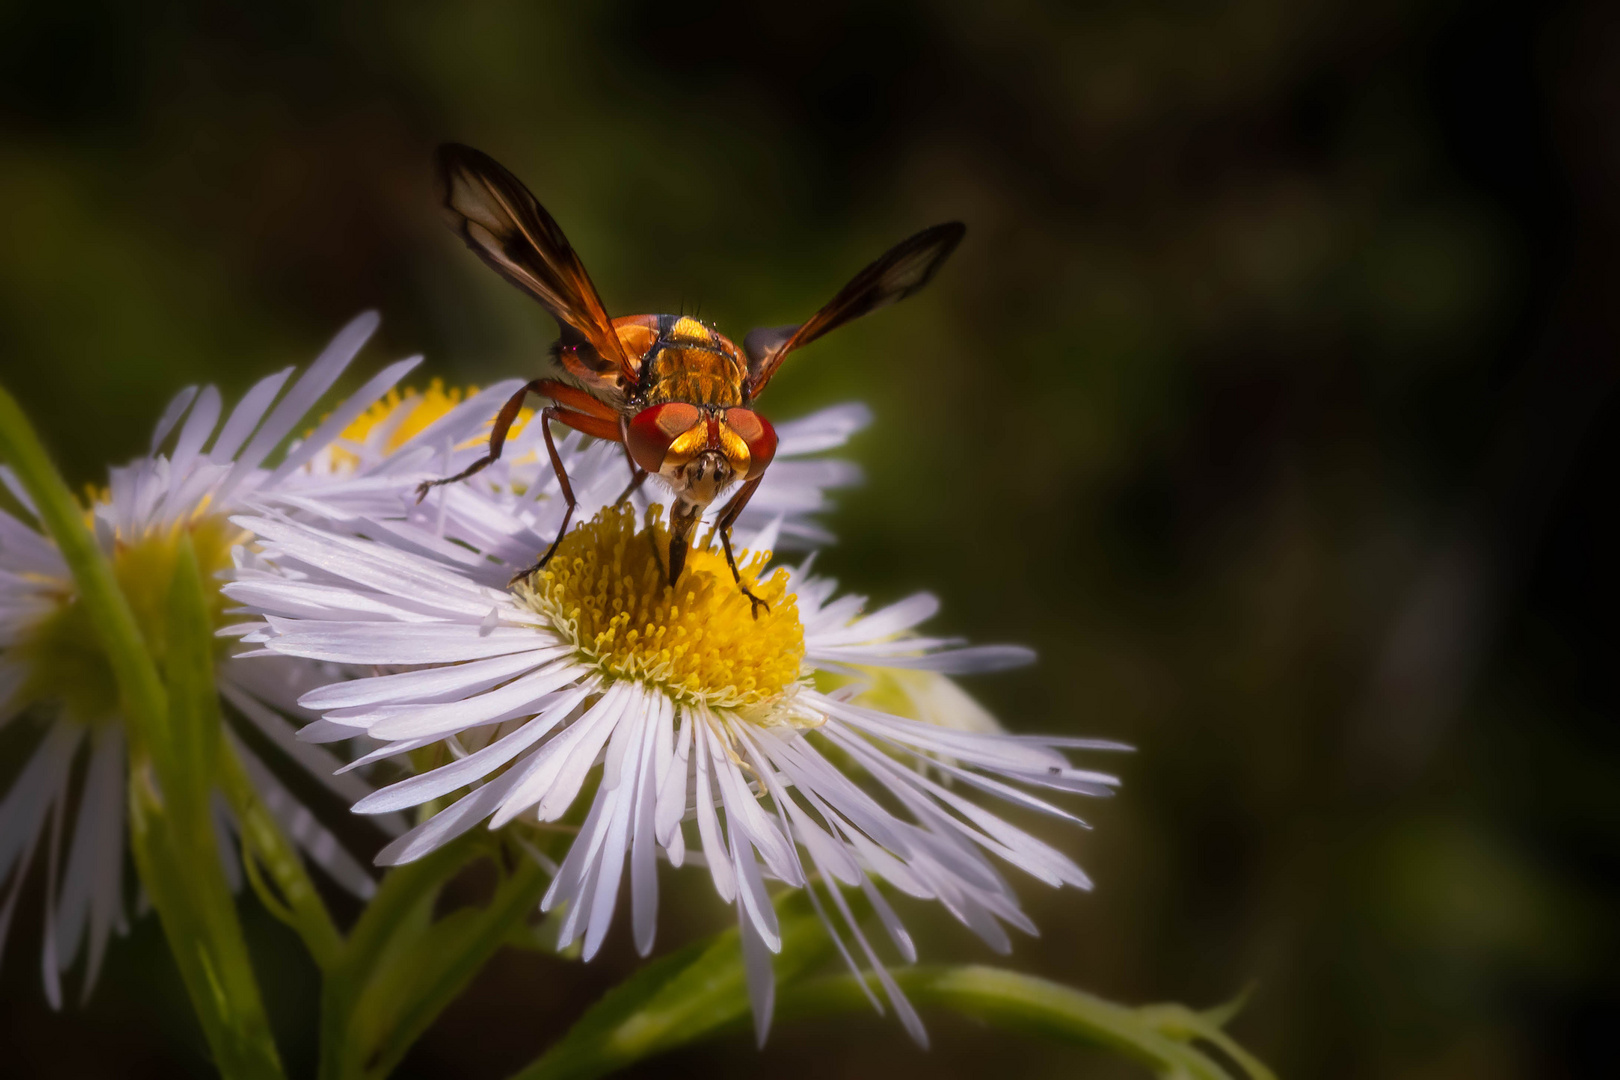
{"x": 594, "y": 679}
{"x": 52, "y": 671}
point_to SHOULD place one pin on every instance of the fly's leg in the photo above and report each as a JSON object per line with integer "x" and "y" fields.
{"x": 637, "y": 478}
{"x": 547, "y": 415}
{"x": 497, "y": 439}
{"x": 728, "y": 518}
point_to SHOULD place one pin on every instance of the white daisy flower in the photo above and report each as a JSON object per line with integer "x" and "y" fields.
{"x": 594, "y": 679}
{"x": 51, "y": 669}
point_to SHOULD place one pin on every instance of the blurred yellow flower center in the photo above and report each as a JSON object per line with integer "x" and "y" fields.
{"x": 408, "y": 415}
{"x": 62, "y": 652}
{"x": 606, "y": 591}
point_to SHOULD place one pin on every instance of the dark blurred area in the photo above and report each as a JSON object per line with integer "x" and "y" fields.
{"x": 1270, "y": 398}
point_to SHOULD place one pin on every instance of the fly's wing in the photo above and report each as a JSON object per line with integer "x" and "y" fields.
{"x": 506, "y": 226}
{"x": 902, "y": 270}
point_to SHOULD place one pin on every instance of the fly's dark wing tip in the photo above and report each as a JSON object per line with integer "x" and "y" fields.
{"x": 926, "y": 253}
{"x": 449, "y": 159}
{"x": 452, "y": 153}
{"x": 946, "y": 236}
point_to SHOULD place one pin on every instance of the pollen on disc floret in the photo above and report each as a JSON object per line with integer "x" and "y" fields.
{"x": 605, "y": 590}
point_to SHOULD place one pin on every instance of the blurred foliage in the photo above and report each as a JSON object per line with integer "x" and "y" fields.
{"x": 1270, "y": 397}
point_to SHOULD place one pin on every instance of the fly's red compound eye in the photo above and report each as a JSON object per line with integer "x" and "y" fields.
{"x": 757, "y": 434}
{"x": 652, "y": 430}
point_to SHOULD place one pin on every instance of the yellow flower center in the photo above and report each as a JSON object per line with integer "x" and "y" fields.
{"x": 422, "y": 408}
{"x": 606, "y": 591}
{"x": 62, "y": 652}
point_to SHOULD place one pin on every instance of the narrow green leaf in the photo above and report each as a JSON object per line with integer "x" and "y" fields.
{"x": 264, "y": 845}
{"x": 1187, "y": 1025}
{"x": 1032, "y": 1006}
{"x": 401, "y": 910}
{"x": 1221, "y": 1015}
{"x": 429, "y": 972}
{"x": 699, "y": 992}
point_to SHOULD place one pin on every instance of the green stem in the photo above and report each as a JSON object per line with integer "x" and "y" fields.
{"x": 145, "y": 704}
{"x": 199, "y": 915}
{"x": 265, "y": 845}
{"x": 193, "y": 903}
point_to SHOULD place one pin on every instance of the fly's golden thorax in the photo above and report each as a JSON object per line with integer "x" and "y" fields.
{"x": 682, "y": 359}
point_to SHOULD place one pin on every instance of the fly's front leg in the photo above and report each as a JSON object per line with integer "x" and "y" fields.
{"x": 728, "y": 518}
{"x": 546, "y": 416}
{"x": 497, "y": 439}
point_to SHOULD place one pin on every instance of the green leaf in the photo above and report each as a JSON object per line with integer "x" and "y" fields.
{"x": 699, "y": 992}
{"x": 1188, "y": 1025}
{"x": 1159, "y": 1037}
{"x": 299, "y": 904}
{"x": 679, "y": 999}
{"x": 399, "y": 913}
{"x": 428, "y": 972}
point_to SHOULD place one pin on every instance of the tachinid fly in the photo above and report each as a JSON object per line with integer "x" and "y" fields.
{"x": 675, "y": 393}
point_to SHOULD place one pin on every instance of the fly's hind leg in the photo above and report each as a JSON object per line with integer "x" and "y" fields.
{"x": 728, "y": 518}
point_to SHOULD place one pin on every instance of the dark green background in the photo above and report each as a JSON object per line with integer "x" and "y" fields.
{"x": 1269, "y": 398}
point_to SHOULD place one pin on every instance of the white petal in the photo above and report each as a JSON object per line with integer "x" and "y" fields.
{"x": 343, "y": 416}
{"x": 418, "y": 721}
{"x": 644, "y": 846}
{"x": 761, "y": 978}
{"x": 475, "y": 766}
{"x": 714, "y": 844}
{"x": 447, "y": 824}
{"x": 171, "y": 416}
{"x": 417, "y": 643}
{"x": 246, "y": 416}
{"x": 611, "y": 866}
{"x": 426, "y": 685}
{"x": 304, "y": 394}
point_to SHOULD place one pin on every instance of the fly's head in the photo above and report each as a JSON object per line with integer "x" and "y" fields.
{"x": 700, "y": 451}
